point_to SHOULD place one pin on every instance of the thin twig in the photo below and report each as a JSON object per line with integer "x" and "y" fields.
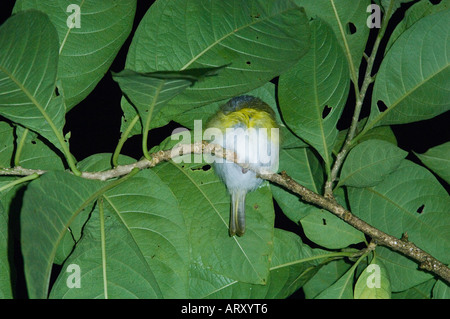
{"x": 360, "y": 96}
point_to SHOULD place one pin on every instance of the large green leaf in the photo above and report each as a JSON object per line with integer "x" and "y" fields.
{"x": 28, "y": 66}
{"x": 342, "y": 288}
{"x": 373, "y": 283}
{"x": 87, "y": 52}
{"x": 370, "y": 162}
{"x": 348, "y": 21}
{"x": 293, "y": 264}
{"x": 329, "y": 231}
{"x": 110, "y": 264}
{"x": 49, "y": 207}
{"x": 206, "y": 207}
{"x": 438, "y": 160}
{"x": 312, "y": 94}
{"x": 149, "y": 92}
{"x": 325, "y": 277}
{"x": 146, "y": 232}
{"x": 149, "y": 212}
{"x": 415, "y": 13}
{"x": 413, "y": 78}
{"x": 402, "y": 270}
{"x": 411, "y": 201}
{"x": 257, "y": 40}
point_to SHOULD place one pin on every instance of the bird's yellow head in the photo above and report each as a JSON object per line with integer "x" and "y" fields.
{"x": 246, "y": 112}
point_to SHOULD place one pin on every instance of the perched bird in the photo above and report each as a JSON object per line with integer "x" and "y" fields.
{"x": 248, "y": 127}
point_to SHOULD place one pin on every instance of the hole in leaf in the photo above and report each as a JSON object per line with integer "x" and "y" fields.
{"x": 33, "y": 142}
{"x": 326, "y": 111}
{"x": 381, "y": 106}
{"x": 56, "y": 91}
{"x": 351, "y": 28}
{"x": 248, "y": 62}
{"x": 420, "y": 209}
{"x": 435, "y": 2}
{"x": 204, "y": 168}
{"x": 324, "y": 221}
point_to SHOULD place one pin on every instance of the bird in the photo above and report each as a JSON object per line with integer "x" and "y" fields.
{"x": 249, "y": 128}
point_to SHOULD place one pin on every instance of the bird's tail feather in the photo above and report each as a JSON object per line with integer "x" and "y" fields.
{"x": 237, "y": 214}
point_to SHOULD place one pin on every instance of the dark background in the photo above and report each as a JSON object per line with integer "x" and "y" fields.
{"x": 95, "y": 123}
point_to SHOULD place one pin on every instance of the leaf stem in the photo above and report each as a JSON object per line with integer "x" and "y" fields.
{"x": 19, "y": 181}
{"x": 20, "y": 147}
{"x": 146, "y": 126}
{"x": 123, "y": 138}
{"x": 360, "y": 95}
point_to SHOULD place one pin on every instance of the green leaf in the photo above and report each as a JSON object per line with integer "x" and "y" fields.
{"x": 370, "y": 162}
{"x": 438, "y": 160}
{"x": 150, "y": 92}
{"x": 149, "y": 211}
{"x": 441, "y": 290}
{"x": 305, "y": 168}
{"x": 293, "y": 264}
{"x": 258, "y": 41}
{"x": 325, "y": 277}
{"x": 111, "y": 273}
{"x": 36, "y": 154}
{"x": 28, "y": 66}
{"x": 348, "y": 21}
{"x": 87, "y": 52}
{"x": 384, "y": 133}
{"x": 49, "y": 206}
{"x": 415, "y": 13}
{"x": 402, "y": 270}
{"x": 409, "y": 200}
{"x": 374, "y": 282}
{"x": 206, "y": 206}
{"x": 327, "y": 230}
{"x": 412, "y": 81}
{"x": 313, "y": 93}
{"x": 5, "y": 263}
{"x": 422, "y": 291}
{"x": 342, "y": 288}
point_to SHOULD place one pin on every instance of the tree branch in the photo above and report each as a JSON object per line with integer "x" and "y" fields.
{"x": 402, "y": 245}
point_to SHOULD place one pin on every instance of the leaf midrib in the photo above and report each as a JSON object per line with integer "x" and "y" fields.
{"x": 218, "y": 214}
{"x": 236, "y": 30}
